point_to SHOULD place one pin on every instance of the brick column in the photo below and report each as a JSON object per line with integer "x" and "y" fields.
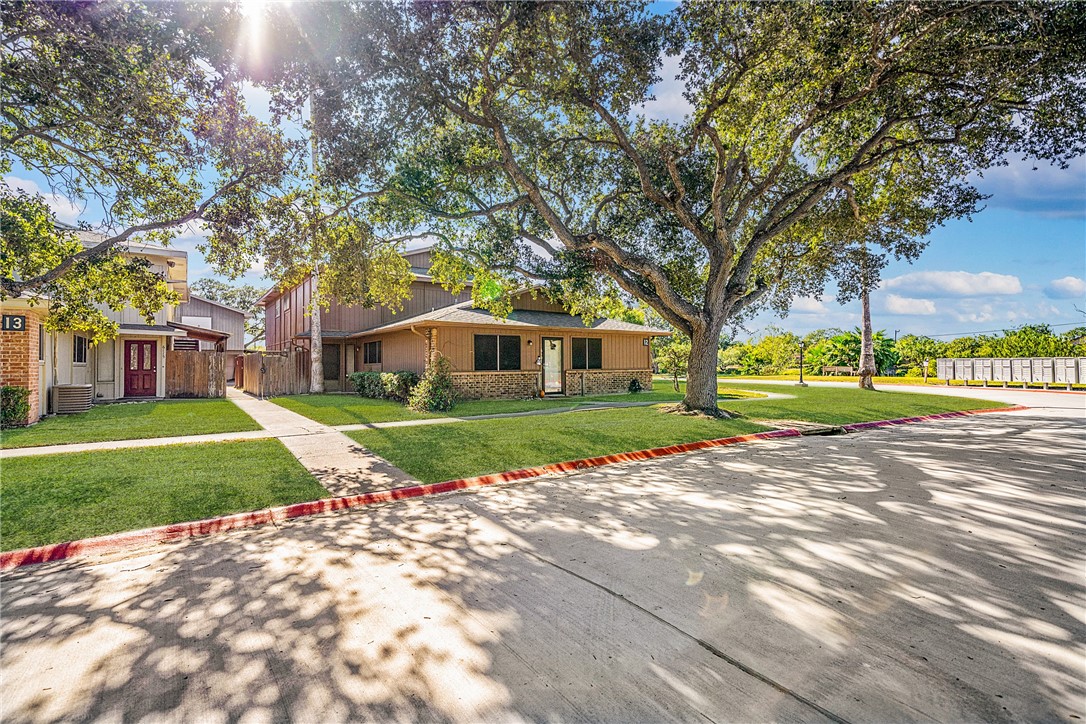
{"x": 19, "y": 360}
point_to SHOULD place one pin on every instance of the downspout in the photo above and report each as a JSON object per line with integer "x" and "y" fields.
{"x": 429, "y": 344}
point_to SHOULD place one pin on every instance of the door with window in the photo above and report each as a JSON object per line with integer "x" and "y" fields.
{"x": 552, "y": 365}
{"x": 140, "y": 368}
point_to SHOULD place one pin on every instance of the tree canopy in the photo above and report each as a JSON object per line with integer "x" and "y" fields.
{"x": 131, "y": 110}
{"x": 512, "y": 132}
{"x": 243, "y": 297}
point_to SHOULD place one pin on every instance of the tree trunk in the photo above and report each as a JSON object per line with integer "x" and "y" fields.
{"x": 316, "y": 346}
{"x": 867, "y": 344}
{"x": 701, "y": 372}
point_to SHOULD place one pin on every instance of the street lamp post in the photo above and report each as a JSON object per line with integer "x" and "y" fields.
{"x": 801, "y": 383}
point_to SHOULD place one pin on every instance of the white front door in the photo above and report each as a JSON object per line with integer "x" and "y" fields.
{"x": 552, "y": 365}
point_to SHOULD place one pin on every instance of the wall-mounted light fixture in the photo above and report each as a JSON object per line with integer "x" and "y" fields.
{"x": 529, "y": 343}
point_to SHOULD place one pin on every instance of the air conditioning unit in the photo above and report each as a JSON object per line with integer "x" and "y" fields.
{"x": 69, "y": 399}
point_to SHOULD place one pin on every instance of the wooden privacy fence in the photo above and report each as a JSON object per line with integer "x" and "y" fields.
{"x": 190, "y": 373}
{"x": 268, "y": 374}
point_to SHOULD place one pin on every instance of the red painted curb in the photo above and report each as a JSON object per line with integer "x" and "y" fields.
{"x": 178, "y": 531}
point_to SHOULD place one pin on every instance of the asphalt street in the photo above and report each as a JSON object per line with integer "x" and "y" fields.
{"x": 934, "y": 571}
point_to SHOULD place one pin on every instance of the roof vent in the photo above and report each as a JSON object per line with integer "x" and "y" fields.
{"x": 69, "y": 399}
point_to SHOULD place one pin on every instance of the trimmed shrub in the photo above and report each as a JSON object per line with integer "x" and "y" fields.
{"x": 398, "y": 385}
{"x": 434, "y": 392}
{"x": 384, "y": 385}
{"x": 635, "y": 386}
{"x": 14, "y": 406}
{"x": 367, "y": 384}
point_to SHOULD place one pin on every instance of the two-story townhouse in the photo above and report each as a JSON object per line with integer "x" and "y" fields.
{"x": 130, "y": 366}
{"x": 538, "y": 348}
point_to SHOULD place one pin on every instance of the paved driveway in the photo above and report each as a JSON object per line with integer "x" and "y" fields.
{"x": 934, "y": 571}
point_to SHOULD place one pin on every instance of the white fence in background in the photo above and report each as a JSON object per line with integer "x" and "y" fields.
{"x": 1029, "y": 370}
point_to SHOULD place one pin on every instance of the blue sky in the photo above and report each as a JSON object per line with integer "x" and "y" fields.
{"x": 1021, "y": 260}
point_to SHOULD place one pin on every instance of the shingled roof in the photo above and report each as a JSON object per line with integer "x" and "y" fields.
{"x": 465, "y": 313}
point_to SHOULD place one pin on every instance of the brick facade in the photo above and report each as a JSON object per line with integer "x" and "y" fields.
{"x": 519, "y": 385}
{"x": 496, "y": 385}
{"x": 605, "y": 382}
{"x": 19, "y": 363}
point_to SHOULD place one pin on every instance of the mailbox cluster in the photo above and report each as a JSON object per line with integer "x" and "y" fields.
{"x": 1044, "y": 370}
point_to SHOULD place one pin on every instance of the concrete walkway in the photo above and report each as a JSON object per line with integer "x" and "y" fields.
{"x": 22, "y": 452}
{"x": 338, "y": 463}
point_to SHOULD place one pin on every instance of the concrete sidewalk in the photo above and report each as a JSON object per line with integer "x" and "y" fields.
{"x": 22, "y": 452}
{"x": 338, "y": 463}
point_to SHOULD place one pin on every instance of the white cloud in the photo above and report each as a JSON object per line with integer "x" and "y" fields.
{"x": 896, "y": 304}
{"x": 1037, "y": 187}
{"x": 955, "y": 283}
{"x": 808, "y": 305}
{"x": 670, "y": 105}
{"x": 1066, "y": 288}
{"x": 64, "y": 209}
{"x": 980, "y": 315}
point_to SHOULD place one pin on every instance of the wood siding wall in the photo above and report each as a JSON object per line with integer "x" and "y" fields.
{"x": 399, "y": 351}
{"x": 420, "y": 259}
{"x": 538, "y": 303}
{"x": 620, "y": 351}
{"x": 286, "y": 317}
{"x": 222, "y": 319}
{"x": 425, "y": 296}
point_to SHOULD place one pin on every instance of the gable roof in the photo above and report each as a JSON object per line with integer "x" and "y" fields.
{"x": 217, "y": 304}
{"x": 465, "y": 314}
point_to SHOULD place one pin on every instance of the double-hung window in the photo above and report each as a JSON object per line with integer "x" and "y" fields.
{"x": 497, "y": 352}
{"x": 587, "y": 353}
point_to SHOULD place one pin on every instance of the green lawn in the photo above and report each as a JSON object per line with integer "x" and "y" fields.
{"x": 728, "y": 379}
{"x": 840, "y": 406}
{"x": 352, "y": 409}
{"x": 56, "y": 498}
{"x": 133, "y": 420}
{"x": 433, "y": 453}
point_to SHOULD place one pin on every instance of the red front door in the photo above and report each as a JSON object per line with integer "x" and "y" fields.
{"x": 140, "y": 368}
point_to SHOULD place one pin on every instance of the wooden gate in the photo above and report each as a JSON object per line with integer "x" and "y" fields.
{"x": 270, "y": 374}
{"x": 190, "y": 373}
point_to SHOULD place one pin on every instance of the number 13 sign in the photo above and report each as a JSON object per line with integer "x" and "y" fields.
{"x": 14, "y": 323}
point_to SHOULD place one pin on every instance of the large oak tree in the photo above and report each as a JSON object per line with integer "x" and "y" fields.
{"x": 518, "y": 138}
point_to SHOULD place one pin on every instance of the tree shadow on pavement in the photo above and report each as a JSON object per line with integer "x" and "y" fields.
{"x": 931, "y": 571}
